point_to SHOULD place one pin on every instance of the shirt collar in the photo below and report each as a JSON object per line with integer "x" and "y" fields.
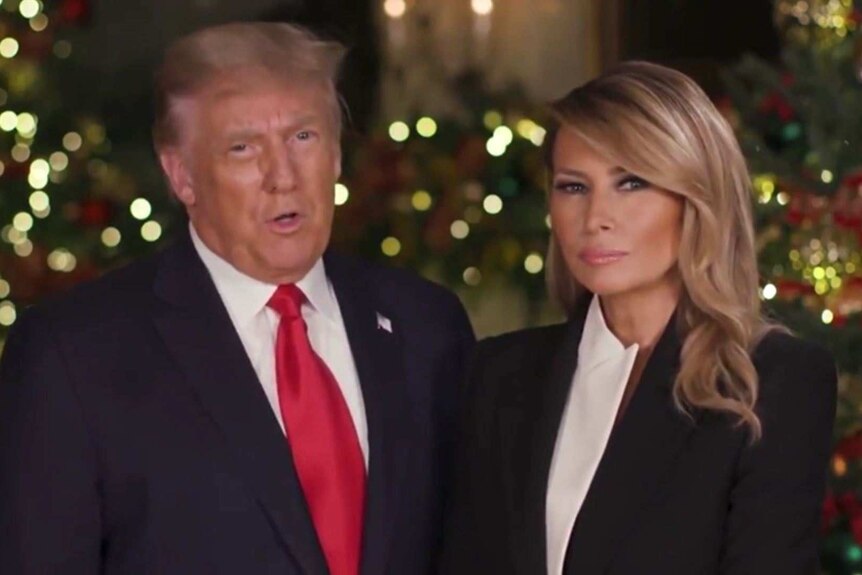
{"x": 598, "y": 342}
{"x": 245, "y": 296}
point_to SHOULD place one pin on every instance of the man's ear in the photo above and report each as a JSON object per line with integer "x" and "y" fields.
{"x": 177, "y": 171}
{"x": 337, "y": 160}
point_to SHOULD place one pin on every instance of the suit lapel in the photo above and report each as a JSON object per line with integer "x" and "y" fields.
{"x": 377, "y": 353}
{"x": 529, "y": 434}
{"x": 198, "y": 331}
{"x": 641, "y": 450}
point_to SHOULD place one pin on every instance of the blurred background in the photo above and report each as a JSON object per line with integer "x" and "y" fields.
{"x": 442, "y": 166}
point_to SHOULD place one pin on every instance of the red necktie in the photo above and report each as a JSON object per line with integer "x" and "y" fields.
{"x": 322, "y": 437}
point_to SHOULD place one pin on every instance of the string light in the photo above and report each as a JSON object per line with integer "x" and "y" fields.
{"x": 140, "y": 209}
{"x": 39, "y": 172}
{"x": 839, "y": 466}
{"x": 495, "y": 147}
{"x": 7, "y": 313}
{"x": 62, "y": 260}
{"x": 29, "y": 8}
{"x": 482, "y": 7}
{"x": 827, "y": 316}
{"x": 342, "y": 194}
{"x": 504, "y": 134}
{"x": 390, "y": 246}
{"x": 111, "y": 237}
{"x": 5, "y": 288}
{"x": 71, "y": 141}
{"x": 473, "y": 215}
{"x": 534, "y": 263}
{"x": 39, "y": 22}
{"x": 59, "y": 161}
{"x": 537, "y": 135}
{"x": 8, "y": 121}
{"x": 26, "y": 125}
{"x": 769, "y": 291}
{"x": 151, "y": 231}
{"x": 23, "y": 222}
{"x": 23, "y": 248}
{"x": 399, "y": 131}
{"x": 9, "y": 47}
{"x": 472, "y": 276}
{"x": 492, "y": 119}
{"x": 493, "y": 204}
{"x": 826, "y": 176}
{"x": 395, "y": 8}
{"x": 421, "y": 201}
{"x": 20, "y": 153}
{"x": 426, "y": 127}
{"x": 459, "y": 229}
{"x": 62, "y": 49}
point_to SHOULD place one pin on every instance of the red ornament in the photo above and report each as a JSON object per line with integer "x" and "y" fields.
{"x": 75, "y": 11}
{"x": 778, "y": 104}
{"x": 828, "y": 512}
{"x": 850, "y": 447}
{"x": 856, "y": 528}
{"x": 95, "y": 213}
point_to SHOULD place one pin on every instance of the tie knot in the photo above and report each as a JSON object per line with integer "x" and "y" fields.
{"x": 287, "y": 301}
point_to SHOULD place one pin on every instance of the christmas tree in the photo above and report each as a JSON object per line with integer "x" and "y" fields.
{"x": 801, "y": 126}
{"x": 459, "y": 199}
{"x": 66, "y": 211}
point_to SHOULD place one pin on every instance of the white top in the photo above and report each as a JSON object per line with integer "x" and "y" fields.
{"x": 245, "y": 299}
{"x": 603, "y": 369}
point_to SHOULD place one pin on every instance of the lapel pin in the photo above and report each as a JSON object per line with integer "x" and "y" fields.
{"x": 384, "y": 323}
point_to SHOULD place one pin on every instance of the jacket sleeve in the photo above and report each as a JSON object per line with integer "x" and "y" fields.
{"x": 775, "y": 502}
{"x": 466, "y": 549}
{"x": 49, "y": 501}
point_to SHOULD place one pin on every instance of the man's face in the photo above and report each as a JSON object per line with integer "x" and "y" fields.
{"x": 256, "y": 166}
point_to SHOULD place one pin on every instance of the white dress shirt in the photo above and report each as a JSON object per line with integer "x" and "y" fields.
{"x": 245, "y": 299}
{"x": 603, "y": 369}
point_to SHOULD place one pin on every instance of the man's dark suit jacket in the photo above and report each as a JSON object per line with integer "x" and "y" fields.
{"x": 135, "y": 436}
{"x": 671, "y": 495}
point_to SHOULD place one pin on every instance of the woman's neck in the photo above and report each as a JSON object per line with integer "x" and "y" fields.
{"x": 640, "y": 317}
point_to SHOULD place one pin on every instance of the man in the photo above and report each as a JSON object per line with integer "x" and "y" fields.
{"x": 245, "y": 402}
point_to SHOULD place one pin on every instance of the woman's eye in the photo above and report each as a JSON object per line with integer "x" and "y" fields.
{"x": 633, "y": 183}
{"x": 570, "y": 187}
{"x": 238, "y": 147}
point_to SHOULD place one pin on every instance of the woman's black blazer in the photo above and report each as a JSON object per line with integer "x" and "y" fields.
{"x": 672, "y": 495}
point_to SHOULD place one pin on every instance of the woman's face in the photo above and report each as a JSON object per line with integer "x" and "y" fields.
{"x": 619, "y": 234}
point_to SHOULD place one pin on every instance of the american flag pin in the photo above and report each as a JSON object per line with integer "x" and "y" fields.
{"x": 384, "y": 322}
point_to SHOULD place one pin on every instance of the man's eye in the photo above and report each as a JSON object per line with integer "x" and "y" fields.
{"x": 238, "y": 147}
{"x": 304, "y": 135}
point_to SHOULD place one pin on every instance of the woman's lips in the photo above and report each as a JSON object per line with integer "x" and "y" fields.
{"x": 597, "y": 257}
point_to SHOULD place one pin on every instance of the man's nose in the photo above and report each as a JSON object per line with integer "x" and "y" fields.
{"x": 280, "y": 171}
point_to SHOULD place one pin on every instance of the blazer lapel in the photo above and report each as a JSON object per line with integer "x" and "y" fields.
{"x": 640, "y": 451}
{"x": 198, "y": 331}
{"x": 376, "y": 346}
{"x": 529, "y": 434}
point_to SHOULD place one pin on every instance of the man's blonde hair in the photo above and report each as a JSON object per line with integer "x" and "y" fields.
{"x": 283, "y": 50}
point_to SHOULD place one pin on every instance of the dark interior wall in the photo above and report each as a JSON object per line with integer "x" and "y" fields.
{"x": 352, "y": 24}
{"x": 696, "y": 36}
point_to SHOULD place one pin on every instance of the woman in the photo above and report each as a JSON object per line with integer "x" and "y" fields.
{"x": 667, "y": 428}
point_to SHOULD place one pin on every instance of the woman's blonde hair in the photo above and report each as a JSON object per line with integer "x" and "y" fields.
{"x": 283, "y": 50}
{"x": 657, "y": 123}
